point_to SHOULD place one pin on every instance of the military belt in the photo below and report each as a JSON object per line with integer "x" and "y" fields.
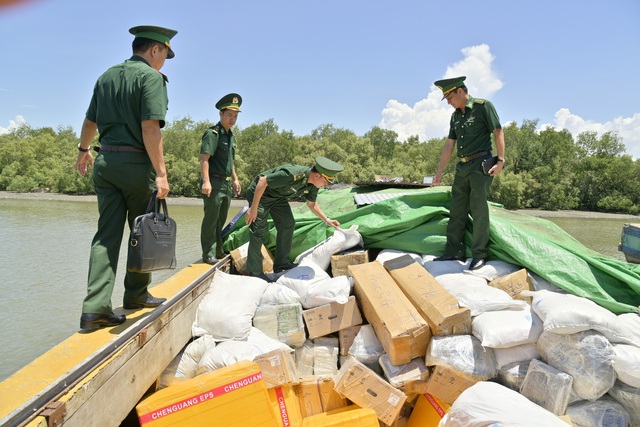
{"x": 475, "y": 156}
{"x": 118, "y": 148}
{"x": 220, "y": 176}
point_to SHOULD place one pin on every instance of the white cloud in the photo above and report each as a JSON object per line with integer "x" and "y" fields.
{"x": 429, "y": 118}
{"x": 627, "y": 128}
{"x": 13, "y": 124}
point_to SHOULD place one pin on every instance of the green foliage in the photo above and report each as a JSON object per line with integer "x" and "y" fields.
{"x": 544, "y": 169}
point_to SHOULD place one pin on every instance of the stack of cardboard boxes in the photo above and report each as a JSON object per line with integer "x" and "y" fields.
{"x": 405, "y": 306}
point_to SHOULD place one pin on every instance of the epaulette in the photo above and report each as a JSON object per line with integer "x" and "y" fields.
{"x": 215, "y": 129}
{"x": 299, "y": 176}
{"x": 478, "y": 101}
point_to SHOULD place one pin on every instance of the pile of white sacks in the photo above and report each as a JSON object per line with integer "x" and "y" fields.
{"x": 561, "y": 354}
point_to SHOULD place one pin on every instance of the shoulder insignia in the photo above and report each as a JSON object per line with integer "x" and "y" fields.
{"x": 215, "y": 129}
{"x": 298, "y": 177}
{"x": 479, "y": 101}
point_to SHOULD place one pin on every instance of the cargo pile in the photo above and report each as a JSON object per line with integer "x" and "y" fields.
{"x": 399, "y": 340}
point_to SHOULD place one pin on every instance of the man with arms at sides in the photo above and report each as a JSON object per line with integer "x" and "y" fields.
{"x": 473, "y": 124}
{"x": 128, "y": 108}
{"x": 217, "y": 154}
{"x": 269, "y": 194}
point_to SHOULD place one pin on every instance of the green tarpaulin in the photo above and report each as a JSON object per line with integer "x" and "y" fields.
{"x": 416, "y": 222}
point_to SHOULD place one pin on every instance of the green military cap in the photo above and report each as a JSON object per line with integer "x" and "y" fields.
{"x": 328, "y": 168}
{"x": 159, "y": 34}
{"x": 232, "y": 101}
{"x": 447, "y": 85}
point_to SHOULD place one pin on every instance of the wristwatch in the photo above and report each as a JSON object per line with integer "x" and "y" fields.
{"x": 501, "y": 159}
{"x": 84, "y": 150}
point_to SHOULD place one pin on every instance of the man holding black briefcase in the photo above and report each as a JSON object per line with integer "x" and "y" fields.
{"x": 128, "y": 108}
{"x": 472, "y": 125}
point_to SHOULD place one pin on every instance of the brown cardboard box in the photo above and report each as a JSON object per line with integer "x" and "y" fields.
{"x": 239, "y": 257}
{"x": 346, "y": 337}
{"x": 403, "y": 333}
{"x": 329, "y": 318}
{"x": 515, "y": 283}
{"x": 365, "y": 388}
{"x": 223, "y": 395}
{"x": 351, "y": 415}
{"x": 411, "y": 378}
{"x": 278, "y": 368}
{"x": 317, "y": 394}
{"x": 447, "y": 385}
{"x": 286, "y": 406}
{"x": 342, "y": 260}
{"x": 438, "y": 307}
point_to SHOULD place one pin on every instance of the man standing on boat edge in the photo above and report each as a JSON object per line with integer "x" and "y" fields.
{"x": 269, "y": 194}
{"x": 128, "y": 108}
{"x": 217, "y": 154}
{"x": 472, "y": 125}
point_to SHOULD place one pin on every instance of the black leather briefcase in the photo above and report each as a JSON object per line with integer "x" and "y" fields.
{"x": 487, "y": 164}
{"x": 152, "y": 244}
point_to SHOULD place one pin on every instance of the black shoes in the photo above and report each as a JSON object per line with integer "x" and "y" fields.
{"x": 150, "y": 302}
{"x": 211, "y": 260}
{"x": 284, "y": 267}
{"x": 477, "y": 263}
{"x": 447, "y": 257}
{"x": 92, "y": 321}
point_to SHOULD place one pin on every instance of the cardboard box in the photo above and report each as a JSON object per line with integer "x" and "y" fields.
{"x": 329, "y": 318}
{"x": 515, "y": 283}
{"x": 447, "y": 384}
{"x": 438, "y": 307}
{"x": 239, "y": 257}
{"x": 317, "y": 394}
{"x": 346, "y": 337}
{"x": 342, "y": 260}
{"x": 285, "y": 406}
{"x": 402, "y": 331}
{"x": 365, "y": 388}
{"x": 428, "y": 412}
{"x": 411, "y": 377}
{"x": 278, "y": 368}
{"x": 222, "y": 395}
{"x": 325, "y": 356}
{"x": 351, "y": 415}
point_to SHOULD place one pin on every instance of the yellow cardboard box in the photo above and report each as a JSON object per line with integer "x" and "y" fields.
{"x": 342, "y": 260}
{"x": 447, "y": 384}
{"x": 329, "y": 318}
{"x": 239, "y": 258}
{"x": 515, "y": 283}
{"x": 428, "y": 412}
{"x": 365, "y": 388}
{"x": 351, "y": 415}
{"x": 402, "y": 331}
{"x": 222, "y": 395}
{"x": 278, "y": 368}
{"x": 286, "y": 406}
{"x": 438, "y": 307}
{"x": 317, "y": 394}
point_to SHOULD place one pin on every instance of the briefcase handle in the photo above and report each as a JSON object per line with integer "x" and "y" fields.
{"x": 155, "y": 205}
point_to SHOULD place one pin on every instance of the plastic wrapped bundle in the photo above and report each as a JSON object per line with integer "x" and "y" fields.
{"x": 282, "y": 322}
{"x": 586, "y": 356}
{"x": 629, "y": 398}
{"x": 464, "y": 354}
{"x": 367, "y": 349}
{"x": 547, "y": 386}
{"x": 604, "y": 412}
{"x": 512, "y": 375}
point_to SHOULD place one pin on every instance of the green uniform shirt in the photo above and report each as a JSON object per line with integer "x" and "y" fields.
{"x": 124, "y": 96}
{"x": 288, "y": 182}
{"x": 221, "y": 146}
{"x": 474, "y": 128}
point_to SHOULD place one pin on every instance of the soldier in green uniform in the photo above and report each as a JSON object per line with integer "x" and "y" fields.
{"x": 473, "y": 124}
{"x": 128, "y": 108}
{"x": 269, "y": 194}
{"x": 217, "y": 154}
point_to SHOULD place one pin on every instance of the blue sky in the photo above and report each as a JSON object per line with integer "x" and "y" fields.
{"x": 354, "y": 64}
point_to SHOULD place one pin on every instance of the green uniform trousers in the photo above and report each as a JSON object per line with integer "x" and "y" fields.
{"x": 469, "y": 195}
{"x": 216, "y": 209}
{"x": 124, "y": 182}
{"x": 280, "y": 212}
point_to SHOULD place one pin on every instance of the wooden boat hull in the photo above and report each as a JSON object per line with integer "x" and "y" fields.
{"x": 97, "y": 378}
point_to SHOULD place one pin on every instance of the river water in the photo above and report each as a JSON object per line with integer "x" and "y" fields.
{"x": 44, "y": 257}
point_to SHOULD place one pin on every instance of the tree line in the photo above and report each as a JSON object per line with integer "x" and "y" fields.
{"x": 548, "y": 169}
